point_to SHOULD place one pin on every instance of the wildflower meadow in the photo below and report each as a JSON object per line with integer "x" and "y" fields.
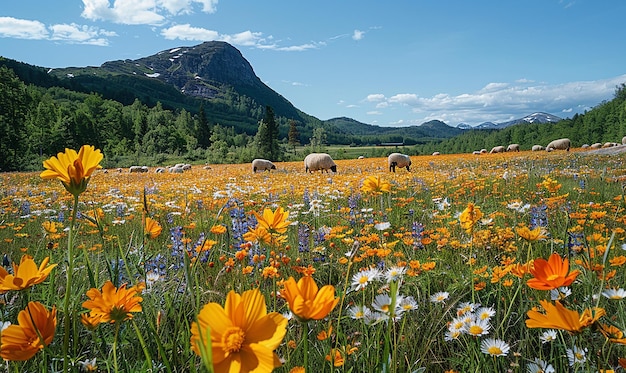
{"x": 510, "y": 262}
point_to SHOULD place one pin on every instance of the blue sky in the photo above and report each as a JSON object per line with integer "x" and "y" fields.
{"x": 389, "y": 63}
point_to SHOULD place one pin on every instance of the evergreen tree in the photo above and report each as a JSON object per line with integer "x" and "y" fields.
{"x": 14, "y": 102}
{"x": 266, "y": 139}
{"x": 294, "y": 135}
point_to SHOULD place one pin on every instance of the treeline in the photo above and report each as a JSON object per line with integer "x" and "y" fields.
{"x": 604, "y": 123}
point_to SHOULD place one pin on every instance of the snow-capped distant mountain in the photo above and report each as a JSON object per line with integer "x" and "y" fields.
{"x": 532, "y": 118}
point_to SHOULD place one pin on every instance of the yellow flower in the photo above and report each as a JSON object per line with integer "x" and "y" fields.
{"x": 306, "y": 301}
{"x": 73, "y": 169}
{"x": 152, "y": 228}
{"x": 25, "y": 275}
{"x": 112, "y": 304}
{"x": 469, "y": 217}
{"x": 376, "y": 186}
{"x": 35, "y": 329}
{"x": 49, "y": 226}
{"x": 528, "y": 234}
{"x": 243, "y": 335}
{"x": 258, "y": 234}
{"x": 273, "y": 222}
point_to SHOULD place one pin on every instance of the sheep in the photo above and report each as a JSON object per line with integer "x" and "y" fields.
{"x": 476, "y": 152}
{"x": 436, "y": 153}
{"x": 319, "y": 161}
{"x": 497, "y": 149}
{"x": 133, "y": 169}
{"x": 175, "y": 170}
{"x": 483, "y": 151}
{"x": 361, "y": 157}
{"x": 186, "y": 167}
{"x": 398, "y": 160}
{"x": 585, "y": 146}
{"x": 159, "y": 170}
{"x": 537, "y": 148}
{"x": 596, "y": 145}
{"x": 609, "y": 144}
{"x": 262, "y": 165}
{"x": 561, "y": 144}
{"x": 624, "y": 140}
{"x": 512, "y": 148}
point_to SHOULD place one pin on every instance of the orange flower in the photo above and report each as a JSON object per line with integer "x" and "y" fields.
{"x": 49, "y": 226}
{"x": 376, "y": 186}
{"x": 528, "y": 234}
{"x": 25, "y": 275}
{"x": 152, "y": 228}
{"x": 558, "y": 317}
{"x": 307, "y": 301}
{"x": 551, "y": 274}
{"x": 613, "y": 334}
{"x": 73, "y": 169}
{"x": 35, "y": 329}
{"x": 218, "y": 229}
{"x": 243, "y": 335}
{"x": 273, "y": 222}
{"x": 335, "y": 357}
{"x": 112, "y": 304}
{"x": 469, "y": 217}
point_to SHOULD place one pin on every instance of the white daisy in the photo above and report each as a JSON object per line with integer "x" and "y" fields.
{"x": 439, "y": 297}
{"x": 614, "y": 293}
{"x": 548, "y": 336}
{"x": 361, "y": 279}
{"x": 477, "y": 327}
{"x": 576, "y": 355}
{"x": 494, "y": 347}
{"x": 485, "y": 313}
{"x": 560, "y": 293}
{"x": 382, "y": 226}
{"x": 408, "y": 304}
{"x": 394, "y": 273}
{"x": 540, "y": 366}
{"x": 359, "y": 312}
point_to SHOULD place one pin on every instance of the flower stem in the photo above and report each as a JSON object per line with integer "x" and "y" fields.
{"x": 305, "y": 331}
{"x": 68, "y": 286}
{"x": 117, "y": 332}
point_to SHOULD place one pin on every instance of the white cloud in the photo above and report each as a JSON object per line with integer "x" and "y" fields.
{"x": 69, "y": 33}
{"x": 498, "y": 102}
{"x": 22, "y": 28}
{"x": 74, "y": 33}
{"x": 142, "y": 12}
{"x": 358, "y": 35}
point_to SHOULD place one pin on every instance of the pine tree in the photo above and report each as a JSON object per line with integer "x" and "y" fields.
{"x": 266, "y": 139}
{"x": 293, "y": 135}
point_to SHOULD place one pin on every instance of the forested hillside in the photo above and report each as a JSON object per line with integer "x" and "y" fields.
{"x": 604, "y": 123}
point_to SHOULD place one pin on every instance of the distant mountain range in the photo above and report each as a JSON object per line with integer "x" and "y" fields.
{"x": 216, "y": 75}
{"x": 532, "y": 118}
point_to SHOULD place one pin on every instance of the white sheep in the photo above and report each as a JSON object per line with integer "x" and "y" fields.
{"x": 436, "y": 153}
{"x": 262, "y": 165}
{"x": 609, "y": 144}
{"x": 319, "y": 161}
{"x": 561, "y": 144}
{"x": 398, "y": 160}
{"x": 483, "y": 151}
{"x": 624, "y": 140}
{"x": 159, "y": 170}
{"x": 512, "y": 148}
{"x": 497, "y": 149}
{"x": 476, "y": 152}
{"x": 175, "y": 170}
{"x": 596, "y": 145}
{"x": 537, "y": 148}
{"x": 134, "y": 169}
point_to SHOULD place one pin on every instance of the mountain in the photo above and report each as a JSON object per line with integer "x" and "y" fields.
{"x": 538, "y": 117}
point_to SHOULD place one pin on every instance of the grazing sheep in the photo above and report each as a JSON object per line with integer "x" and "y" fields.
{"x": 436, "y": 153}
{"x": 609, "y": 144}
{"x": 138, "y": 169}
{"x": 476, "y": 152}
{"x": 596, "y": 145}
{"x": 207, "y": 167}
{"x": 398, "y": 160}
{"x": 561, "y": 144}
{"x": 319, "y": 161}
{"x": 624, "y": 140}
{"x": 483, "y": 151}
{"x": 537, "y": 148}
{"x": 262, "y": 165}
{"x": 175, "y": 170}
{"x": 497, "y": 149}
{"x": 159, "y": 170}
{"x": 186, "y": 167}
{"x": 512, "y": 148}
{"x": 361, "y": 157}
{"x": 585, "y": 146}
